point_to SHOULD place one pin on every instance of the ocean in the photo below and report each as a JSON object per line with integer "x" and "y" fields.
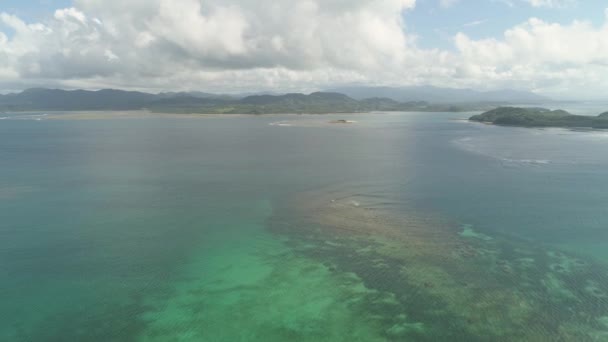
{"x": 397, "y": 227}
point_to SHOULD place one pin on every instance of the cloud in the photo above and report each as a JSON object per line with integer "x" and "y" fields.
{"x": 547, "y": 56}
{"x": 447, "y": 3}
{"x": 552, "y": 3}
{"x": 158, "y": 40}
{"x": 475, "y": 23}
{"x": 244, "y": 45}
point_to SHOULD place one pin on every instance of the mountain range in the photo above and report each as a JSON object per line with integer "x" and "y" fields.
{"x": 341, "y": 100}
{"x": 442, "y": 95}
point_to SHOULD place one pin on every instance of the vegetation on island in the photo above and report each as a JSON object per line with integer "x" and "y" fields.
{"x": 315, "y": 103}
{"x": 540, "y": 117}
{"x": 41, "y": 99}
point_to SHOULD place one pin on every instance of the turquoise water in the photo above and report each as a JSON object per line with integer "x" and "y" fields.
{"x": 400, "y": 227}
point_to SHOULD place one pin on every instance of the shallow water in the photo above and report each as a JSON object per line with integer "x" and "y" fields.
{"x": 409, "y": 226}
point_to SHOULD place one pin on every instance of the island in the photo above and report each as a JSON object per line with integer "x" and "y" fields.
{"x": 540, "y": 117}
{"x": 341, "y": 121}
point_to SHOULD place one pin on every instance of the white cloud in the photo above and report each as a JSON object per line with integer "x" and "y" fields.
{"x": 447, "y": 3}
{"x": 110, "y": 55}
{"x": 70, "y": 14}
{"x": 552, "y": 3}
{"x": 475, "y": 23}
{"x": 545, "y": 55}
{"x": 243, "y": 45}
{"x": 163, "y": 39}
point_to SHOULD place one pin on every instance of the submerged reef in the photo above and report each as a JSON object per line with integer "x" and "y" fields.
{"x": 435, "y": 280}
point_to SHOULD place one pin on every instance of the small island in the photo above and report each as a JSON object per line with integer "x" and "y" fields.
{"x": 341, "y": 121}
{"x": 540, "y": 117}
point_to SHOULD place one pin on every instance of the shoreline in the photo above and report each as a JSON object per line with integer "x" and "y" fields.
{"x": 100, "y": 114}
{"x": 576, "y": 129}
{"x": 140, "y": 114}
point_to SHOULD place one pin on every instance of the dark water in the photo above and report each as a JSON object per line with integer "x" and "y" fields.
{"x": 399, "y": 227}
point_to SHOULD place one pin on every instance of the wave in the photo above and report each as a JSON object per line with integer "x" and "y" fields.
{"x": 527, "y": 161}
{"x": 280, "y": 123}
{"x": 468, "y": 144}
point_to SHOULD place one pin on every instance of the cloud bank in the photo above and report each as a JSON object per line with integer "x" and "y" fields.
{"x": 244, "y": 45}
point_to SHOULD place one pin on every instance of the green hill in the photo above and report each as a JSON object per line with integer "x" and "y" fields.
{"x": 40, "y": 99}
{"x": 539, "y": 117}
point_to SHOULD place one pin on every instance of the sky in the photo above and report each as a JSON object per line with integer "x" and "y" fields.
{"x": 557, "y": 48}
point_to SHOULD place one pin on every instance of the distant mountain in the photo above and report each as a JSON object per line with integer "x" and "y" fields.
{"x": 40, "y": 99}
{"x": 315, "y": 103}
{"x": 197, "y": 94}
{"x": 262, "y": 104}
{"x": 56, "y": 99}
{"x": 318, "y": 102}
{"x": 442, "y": 95}
{"x": 299, "y": 99}
{"x": 387, "y": 104}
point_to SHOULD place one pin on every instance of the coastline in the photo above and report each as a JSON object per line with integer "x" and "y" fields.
{"x": 140, "y": 114}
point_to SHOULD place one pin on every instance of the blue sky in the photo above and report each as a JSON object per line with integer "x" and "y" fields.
{"x": 33, "y": 10}
{"x": 436, "y": 25}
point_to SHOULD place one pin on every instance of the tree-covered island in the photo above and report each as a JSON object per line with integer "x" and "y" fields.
{"x": 540, "y": 117}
